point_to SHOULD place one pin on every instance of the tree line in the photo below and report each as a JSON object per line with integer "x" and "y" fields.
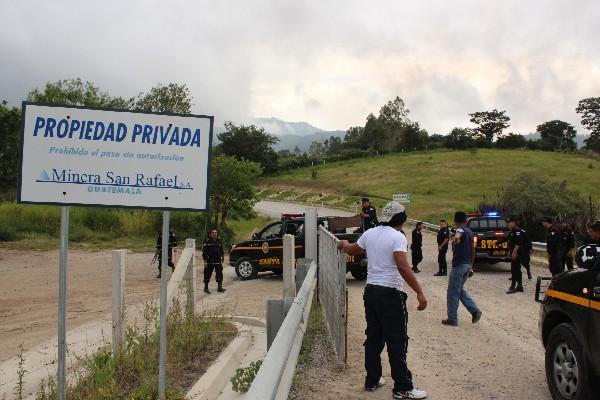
{"x": 393, "y": 131}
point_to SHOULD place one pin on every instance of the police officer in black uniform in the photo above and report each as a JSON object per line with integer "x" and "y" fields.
{"x": 369, "y": 215}
{"x": 172, "y": 245}
{"x": 554, "y": 246}
{"x": 526, "y": 253}
{"x": 443, "y": 237}
{"x": 416, "y": 247}
{"x": 213, "y": 256}
{"x": 515, "y": 251}
{"x": 568, "y": 245}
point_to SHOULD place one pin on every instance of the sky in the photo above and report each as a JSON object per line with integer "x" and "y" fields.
{"x": 329, "y": 63}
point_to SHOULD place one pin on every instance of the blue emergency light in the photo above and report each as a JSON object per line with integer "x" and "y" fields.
{"x": 491, "y": 214}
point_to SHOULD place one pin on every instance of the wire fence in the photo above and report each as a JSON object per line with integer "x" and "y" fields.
{"x": 332, "y": 291}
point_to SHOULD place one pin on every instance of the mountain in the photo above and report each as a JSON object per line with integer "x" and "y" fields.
{"x": 282, "y": 128}
{"x": 290, "y": 134}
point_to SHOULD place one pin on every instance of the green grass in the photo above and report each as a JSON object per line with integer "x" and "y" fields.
{"x": 25, "y": 227}
{"x": 193, "y": 343}
{"x": 441, "y": 181}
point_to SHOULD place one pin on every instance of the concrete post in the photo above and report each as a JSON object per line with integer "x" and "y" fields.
{"x": 274, "y": 320}
{"x": 118, "y": 301}
{"x": 289, "y": 260}
{"x": 310, "y": 233}
{"x": 302, "y": 266}
{"x": 190, "y": 277}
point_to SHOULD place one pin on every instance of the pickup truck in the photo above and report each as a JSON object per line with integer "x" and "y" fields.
{"x": 264, "y": 251}
{"x": 569, "y": 326}
{"x": 488, "y": 229}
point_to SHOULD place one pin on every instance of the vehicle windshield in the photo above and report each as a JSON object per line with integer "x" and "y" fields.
{"x": 487, "y": 224}
{"x": 272, "y": 231}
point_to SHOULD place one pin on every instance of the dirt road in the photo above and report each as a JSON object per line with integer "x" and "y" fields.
{"x": 501, "y": 357}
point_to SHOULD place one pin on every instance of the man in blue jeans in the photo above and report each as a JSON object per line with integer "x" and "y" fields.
{"x": 385, "y": 301}
{"x": 462, "y": 262}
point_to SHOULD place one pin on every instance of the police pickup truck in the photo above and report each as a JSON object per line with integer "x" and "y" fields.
{"x": 488, "y": 229}
{"x": 264, "y": 252}
{"x": 570, "y": 328}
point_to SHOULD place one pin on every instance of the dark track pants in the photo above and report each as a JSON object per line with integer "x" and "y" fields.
{"x": 417, "y": 257}
{"x": 170, "y": 264}
{"x": 516, "y": 274}
{"x": 209, "y": 267}
{"x": 443, "y": 265}
{"x": 387, "y": 320}
{"x": 555, "y": 263}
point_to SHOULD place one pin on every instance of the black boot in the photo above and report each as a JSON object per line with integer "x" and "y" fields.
{"x": 512, "y": 287}
{"x": 220, "y": 288}
{"x": 206, "y": 288}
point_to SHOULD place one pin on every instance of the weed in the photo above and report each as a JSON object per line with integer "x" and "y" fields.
{"x": 20, "y": 374}
{"x": 243, "y": 377}
{"x": 194, "y": 341}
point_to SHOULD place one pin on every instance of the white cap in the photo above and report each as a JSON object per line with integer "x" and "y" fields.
{"x": 392, "y": 208}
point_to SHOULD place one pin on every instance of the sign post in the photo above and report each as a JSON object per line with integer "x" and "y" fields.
{"x": 113, "y": 158}
{"x": 162, "y": 355}
{"x": 62, "y": 301}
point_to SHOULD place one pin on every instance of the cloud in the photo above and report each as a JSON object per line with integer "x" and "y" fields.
{"x": 329, "y": 63}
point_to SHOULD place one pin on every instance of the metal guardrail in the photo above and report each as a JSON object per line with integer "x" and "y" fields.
{"x": 537, "y": 246}
{"x": 275, "y": 376}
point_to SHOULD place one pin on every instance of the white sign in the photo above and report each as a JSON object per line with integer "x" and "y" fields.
{"x": 116, "y": 158}
{"x": 401, "y": 197}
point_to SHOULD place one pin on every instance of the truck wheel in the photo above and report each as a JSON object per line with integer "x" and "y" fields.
{"x": 567, "y": 369}
{"x": 359, "y": 273}
{"x": 244, "y": 269}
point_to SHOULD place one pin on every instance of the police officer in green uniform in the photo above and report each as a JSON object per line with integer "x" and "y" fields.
{"x": 568, "y": 245}
{"x": 554, "y": 246}
{"x": 515, "y": 251}
{"x": 213, "y": 256}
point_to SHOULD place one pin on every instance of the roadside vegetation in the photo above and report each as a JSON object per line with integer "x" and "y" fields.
{"x": 194, "y": 342}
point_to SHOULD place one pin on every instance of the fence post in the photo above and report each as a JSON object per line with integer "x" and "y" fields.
{"x": 274, "y": 320}
{"x": 190, "y": 277}
{"x": 302, "y": 266}
{"x": 289, "y": 259}
{"x": 310, "y": 233}
{"x": 118, "y": 300}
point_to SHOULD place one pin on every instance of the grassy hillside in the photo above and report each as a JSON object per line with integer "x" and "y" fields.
{"x": 440, "y": 182}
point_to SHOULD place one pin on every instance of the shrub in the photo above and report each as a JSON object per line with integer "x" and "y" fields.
{"x": 243, "y": 377}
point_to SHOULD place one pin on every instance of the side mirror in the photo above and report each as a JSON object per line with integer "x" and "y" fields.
{"x": 255, "y": 236}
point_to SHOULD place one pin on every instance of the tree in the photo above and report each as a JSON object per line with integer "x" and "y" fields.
{"x": 250, "y": 143}
{"x": 232, "y": 189}
{"x": 316, "y": 149}
{"x": 533, "y": 197}
{"x": 75, "y": 92}
{"x": 394, "y": 112}
{"x": 511, "y": 141}
{"x": 490, "y": 123}
{"x": 557, "y": 135}
{"x": 10, "y": 122}
{"x": 333, "y": 145}
{"x": 172, "y": 98}
{"x": 353, "y": 136}
{"x": 460, "y": 138}
{"x": 590, "y": 118}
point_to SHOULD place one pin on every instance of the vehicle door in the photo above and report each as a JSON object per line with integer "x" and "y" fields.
{"x": 296, "y": 228}
{"x": 594, "y": 319}
{"x": 271, "y": 245}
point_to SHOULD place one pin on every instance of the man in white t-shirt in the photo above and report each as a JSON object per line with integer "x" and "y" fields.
{"x": 385, "y": 300}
